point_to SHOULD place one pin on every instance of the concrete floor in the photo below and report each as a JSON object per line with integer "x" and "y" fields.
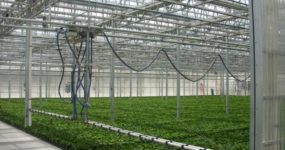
{"x": 15, "y": 139}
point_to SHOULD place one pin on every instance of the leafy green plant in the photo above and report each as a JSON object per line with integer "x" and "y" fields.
{"x": 202, "y": 122}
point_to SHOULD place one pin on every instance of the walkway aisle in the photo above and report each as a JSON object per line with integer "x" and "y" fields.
{"x": 15, "y": 139}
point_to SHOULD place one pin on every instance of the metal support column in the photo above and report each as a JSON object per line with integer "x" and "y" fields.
{"x": 184, "y": 89}
{"x": 40, "y": 84}
{"x": 21, "y": 82}
{"x": 202, "y": 87}
{"x": 192, "y": 84}
{"x": 141, "y": 84}
{"x": 161, "y": 77}
{"x": 222, "y": 84}
{"x": 131, "y": 80}
{"x": 178, "y": 82}
{"x": 245, "y": 77}
{"x": 158, "y": 84}
{"x": 245, "y": 88}
{"x": 207, "y": 80}
{"x": 28, "y": 75}
{"x": 137, "y": 86}
{"x": 9, "y": 88}
{"x": 120, "y": 83}
{"x": 112, "y": 79}
{"x": 166, "y": 84}
{"x": 21, "y": 75}
{"x": 227, "y": 83}
{"x": 131, "y": 84}
{"x": 197, "y": 86}
{"x": 98, "y": 83}
{"x": 117, "y": 84}
{"x": 46, "y": 81}
{"x": 9, "y": 82}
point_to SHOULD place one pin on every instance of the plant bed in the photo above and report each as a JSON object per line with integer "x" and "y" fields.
{"x": 202, "y": 122}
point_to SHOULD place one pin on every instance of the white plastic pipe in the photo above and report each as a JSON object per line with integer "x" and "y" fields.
{"x": 128, "y": 132}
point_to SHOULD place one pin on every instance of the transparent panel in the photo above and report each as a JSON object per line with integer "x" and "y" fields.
{"x": 269, "y": 24}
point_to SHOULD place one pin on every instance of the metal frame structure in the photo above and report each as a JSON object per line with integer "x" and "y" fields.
{"x": 192, "y": 32}
{"x": 203, "y": 26}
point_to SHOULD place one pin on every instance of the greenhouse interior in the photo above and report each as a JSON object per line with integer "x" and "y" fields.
{"x": 142, "y": 74}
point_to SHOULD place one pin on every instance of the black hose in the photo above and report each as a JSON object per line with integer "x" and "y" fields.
{"x": 72, "y": 84}
{"x": 79, "y": 84}
{"x": 155, "y": 58}
{"x": 228, "y": 70}
{"x": 184, "y": 76}
{"x": 63, "y": 68}
{"x": 80, "y": 48}
{"x": 72, "y": 50}
{"x": 130, "y": 67}
{"x": 79, "y": 77}
{"x": 87, "y": 89}
{"x": 84, "y": 53}
{"x": 172, "y": 64}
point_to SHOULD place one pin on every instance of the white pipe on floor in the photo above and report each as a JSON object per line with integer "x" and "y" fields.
{"x": 129, "y": 133}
